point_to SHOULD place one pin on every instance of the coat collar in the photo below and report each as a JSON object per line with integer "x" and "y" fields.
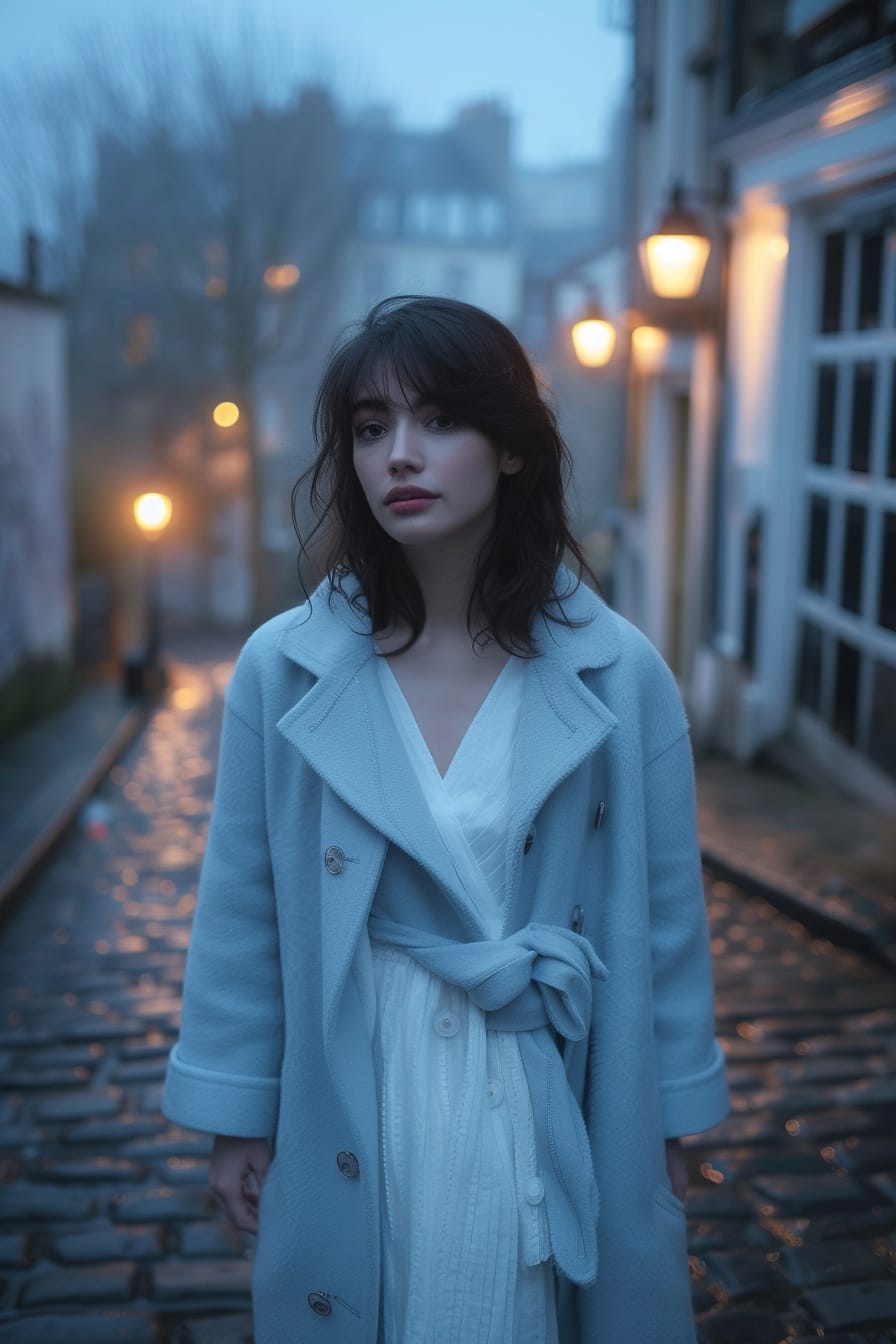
{"x": 328, "y": 632}
{"x": 340, "y": 732}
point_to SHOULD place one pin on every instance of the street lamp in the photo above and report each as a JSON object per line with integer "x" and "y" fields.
{"x": 674, "y": 256}
{"x": 281, "y": 278}
{"x": 225, "y": 414}
{"x": 152, "y": 514}
{"x": 649, "y": 346}
{"x": 593, "y": 336}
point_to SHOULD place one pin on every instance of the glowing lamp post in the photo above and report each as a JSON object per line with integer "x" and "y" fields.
{"x": 152, "y": 514}
{"x": 226, "y": 414}
{"x": 593, "y": 337}
{"x": 674, "y": 256}
{"x": 281, "y": 278}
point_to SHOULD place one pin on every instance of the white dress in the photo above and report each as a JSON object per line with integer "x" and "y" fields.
{"x": 465, "y": 1239}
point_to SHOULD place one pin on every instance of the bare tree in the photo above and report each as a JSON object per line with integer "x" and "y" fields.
{"x": 200, "y": 204}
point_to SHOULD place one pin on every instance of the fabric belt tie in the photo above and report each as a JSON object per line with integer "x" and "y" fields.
{"x": 535, "y": 979}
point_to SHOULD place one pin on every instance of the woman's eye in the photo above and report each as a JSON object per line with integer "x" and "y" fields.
{"x": 443, "y": 421}
{"x": 370, "y": 429}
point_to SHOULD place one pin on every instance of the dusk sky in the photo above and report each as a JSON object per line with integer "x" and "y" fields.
{"x": 559, "y": 67}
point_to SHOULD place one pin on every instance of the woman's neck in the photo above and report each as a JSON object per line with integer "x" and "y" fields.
{"x": 446, "y": 580}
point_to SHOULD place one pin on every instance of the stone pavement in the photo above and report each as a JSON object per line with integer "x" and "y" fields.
{"x": 108, "y": 1231}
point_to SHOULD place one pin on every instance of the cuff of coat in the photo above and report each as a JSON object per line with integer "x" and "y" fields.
{"x": 220, "y": 1103}
{"x": 697, "y": 1102}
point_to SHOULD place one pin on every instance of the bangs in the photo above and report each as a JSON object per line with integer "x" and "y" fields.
{"x": 415, "y": 361}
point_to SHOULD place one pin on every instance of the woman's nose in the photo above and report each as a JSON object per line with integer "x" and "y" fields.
{"x": 405, "y": 450}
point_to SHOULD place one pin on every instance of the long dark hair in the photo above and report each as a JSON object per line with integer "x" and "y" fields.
{"x": 471, "y": 367}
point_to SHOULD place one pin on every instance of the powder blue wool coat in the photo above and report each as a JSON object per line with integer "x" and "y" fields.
{"x": 316, "y": 809}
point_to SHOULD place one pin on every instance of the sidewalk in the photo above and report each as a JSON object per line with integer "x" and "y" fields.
{"x": 820, "y": 857}
{"x": 48, "y": 771}
{"x": 825, "y": 859}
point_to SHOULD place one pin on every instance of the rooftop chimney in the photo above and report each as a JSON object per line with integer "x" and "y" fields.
{"x": 484, "y": 130}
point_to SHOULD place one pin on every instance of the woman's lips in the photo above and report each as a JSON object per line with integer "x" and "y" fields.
{"x": 408, "y": 499}
{"x": 409, "y": 503}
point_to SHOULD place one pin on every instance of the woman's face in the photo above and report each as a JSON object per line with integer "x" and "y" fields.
{"x": 427, "y": 477}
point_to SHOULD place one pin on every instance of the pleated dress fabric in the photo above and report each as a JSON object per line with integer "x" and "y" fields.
{"x": 466, "y": 1252}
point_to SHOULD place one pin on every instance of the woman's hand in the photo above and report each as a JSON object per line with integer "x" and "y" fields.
{"x": 236, "y": 1174}
{"x": 677, "y": 1168}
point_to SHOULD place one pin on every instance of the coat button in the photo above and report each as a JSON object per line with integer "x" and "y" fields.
{"x": 530, "y": 840}
{"x": 495, "y": 1091}
{"x": 577, "y": 924}
{"x": 334, "y": 860}
{"x": 599, "y": 815}
{"x": 534, "y": 1191}
{"x": 446, "y": 1024}
{"x": 319, "y": 1304}
{"x": 348, "y": 1164}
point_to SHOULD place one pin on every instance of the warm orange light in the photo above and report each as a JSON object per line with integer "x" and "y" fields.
{"x": 152, "y": 512}
{"x": 674, "y": 263}
{"x": 282, "y": 277}
{"x": 226, "y": 413}
{"x": 649, "y": 346}
{"x": 215, "y": 287}
{"x": 674, "y": 256}
{"x": 850, "y": 104}
{"x": 594, "y": 340}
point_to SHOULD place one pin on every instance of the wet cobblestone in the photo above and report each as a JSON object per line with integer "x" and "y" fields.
{"x": 111, "y": 1237}
{"x": 797, "y": 1239}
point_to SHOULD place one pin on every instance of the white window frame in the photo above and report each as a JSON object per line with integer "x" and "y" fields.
{"x": 875, "y": 492}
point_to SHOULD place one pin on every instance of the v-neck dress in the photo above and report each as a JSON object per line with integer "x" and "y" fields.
{"x": 466, "y": 1251}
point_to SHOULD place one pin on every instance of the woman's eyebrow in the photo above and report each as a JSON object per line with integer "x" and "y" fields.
{"x": 380, "y": 404}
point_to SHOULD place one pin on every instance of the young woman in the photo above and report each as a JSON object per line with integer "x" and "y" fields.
{"x": 448, "y": 1003}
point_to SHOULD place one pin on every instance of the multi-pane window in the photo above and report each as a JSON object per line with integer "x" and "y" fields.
{"x": 846, "y": 666}
{"x": 774, "y": 43}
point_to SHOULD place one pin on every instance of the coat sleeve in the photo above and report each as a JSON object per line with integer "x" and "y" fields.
{"x": 691, "y": 1069}
{"x": 223, "y": 1073}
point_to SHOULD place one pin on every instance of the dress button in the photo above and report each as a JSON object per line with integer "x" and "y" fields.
{"x": 530, "y": 840}
{"x": 334, "y": 860}
{"x": 319, "y": 1304}
{"x": 348, "y": 1164}
{"x": 534, "y": 1191}
{"x": 495, "y": 1091}
{"x": 446, "y": 1024}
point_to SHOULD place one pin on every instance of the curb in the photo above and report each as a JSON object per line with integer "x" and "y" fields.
{"x": 15, "y": 877}
{"x": 856, "y": 934}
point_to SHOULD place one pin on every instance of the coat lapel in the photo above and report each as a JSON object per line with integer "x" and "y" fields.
{"x": 562, "y": 722}
{"x": 343, "y": 730}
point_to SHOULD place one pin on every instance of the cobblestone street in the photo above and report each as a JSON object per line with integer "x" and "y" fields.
{"x": 109, "y": 1233}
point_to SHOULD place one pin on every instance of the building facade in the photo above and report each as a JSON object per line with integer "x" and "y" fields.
{"x": 759, "y": 548}
{"x": 36, "y": 626}
{"x": 434, "y": 214}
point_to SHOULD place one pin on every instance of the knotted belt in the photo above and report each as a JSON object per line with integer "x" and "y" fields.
{"x": 537, "y": 978}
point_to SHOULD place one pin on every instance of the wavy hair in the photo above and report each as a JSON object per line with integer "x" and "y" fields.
{"x": 473, "y": 368}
